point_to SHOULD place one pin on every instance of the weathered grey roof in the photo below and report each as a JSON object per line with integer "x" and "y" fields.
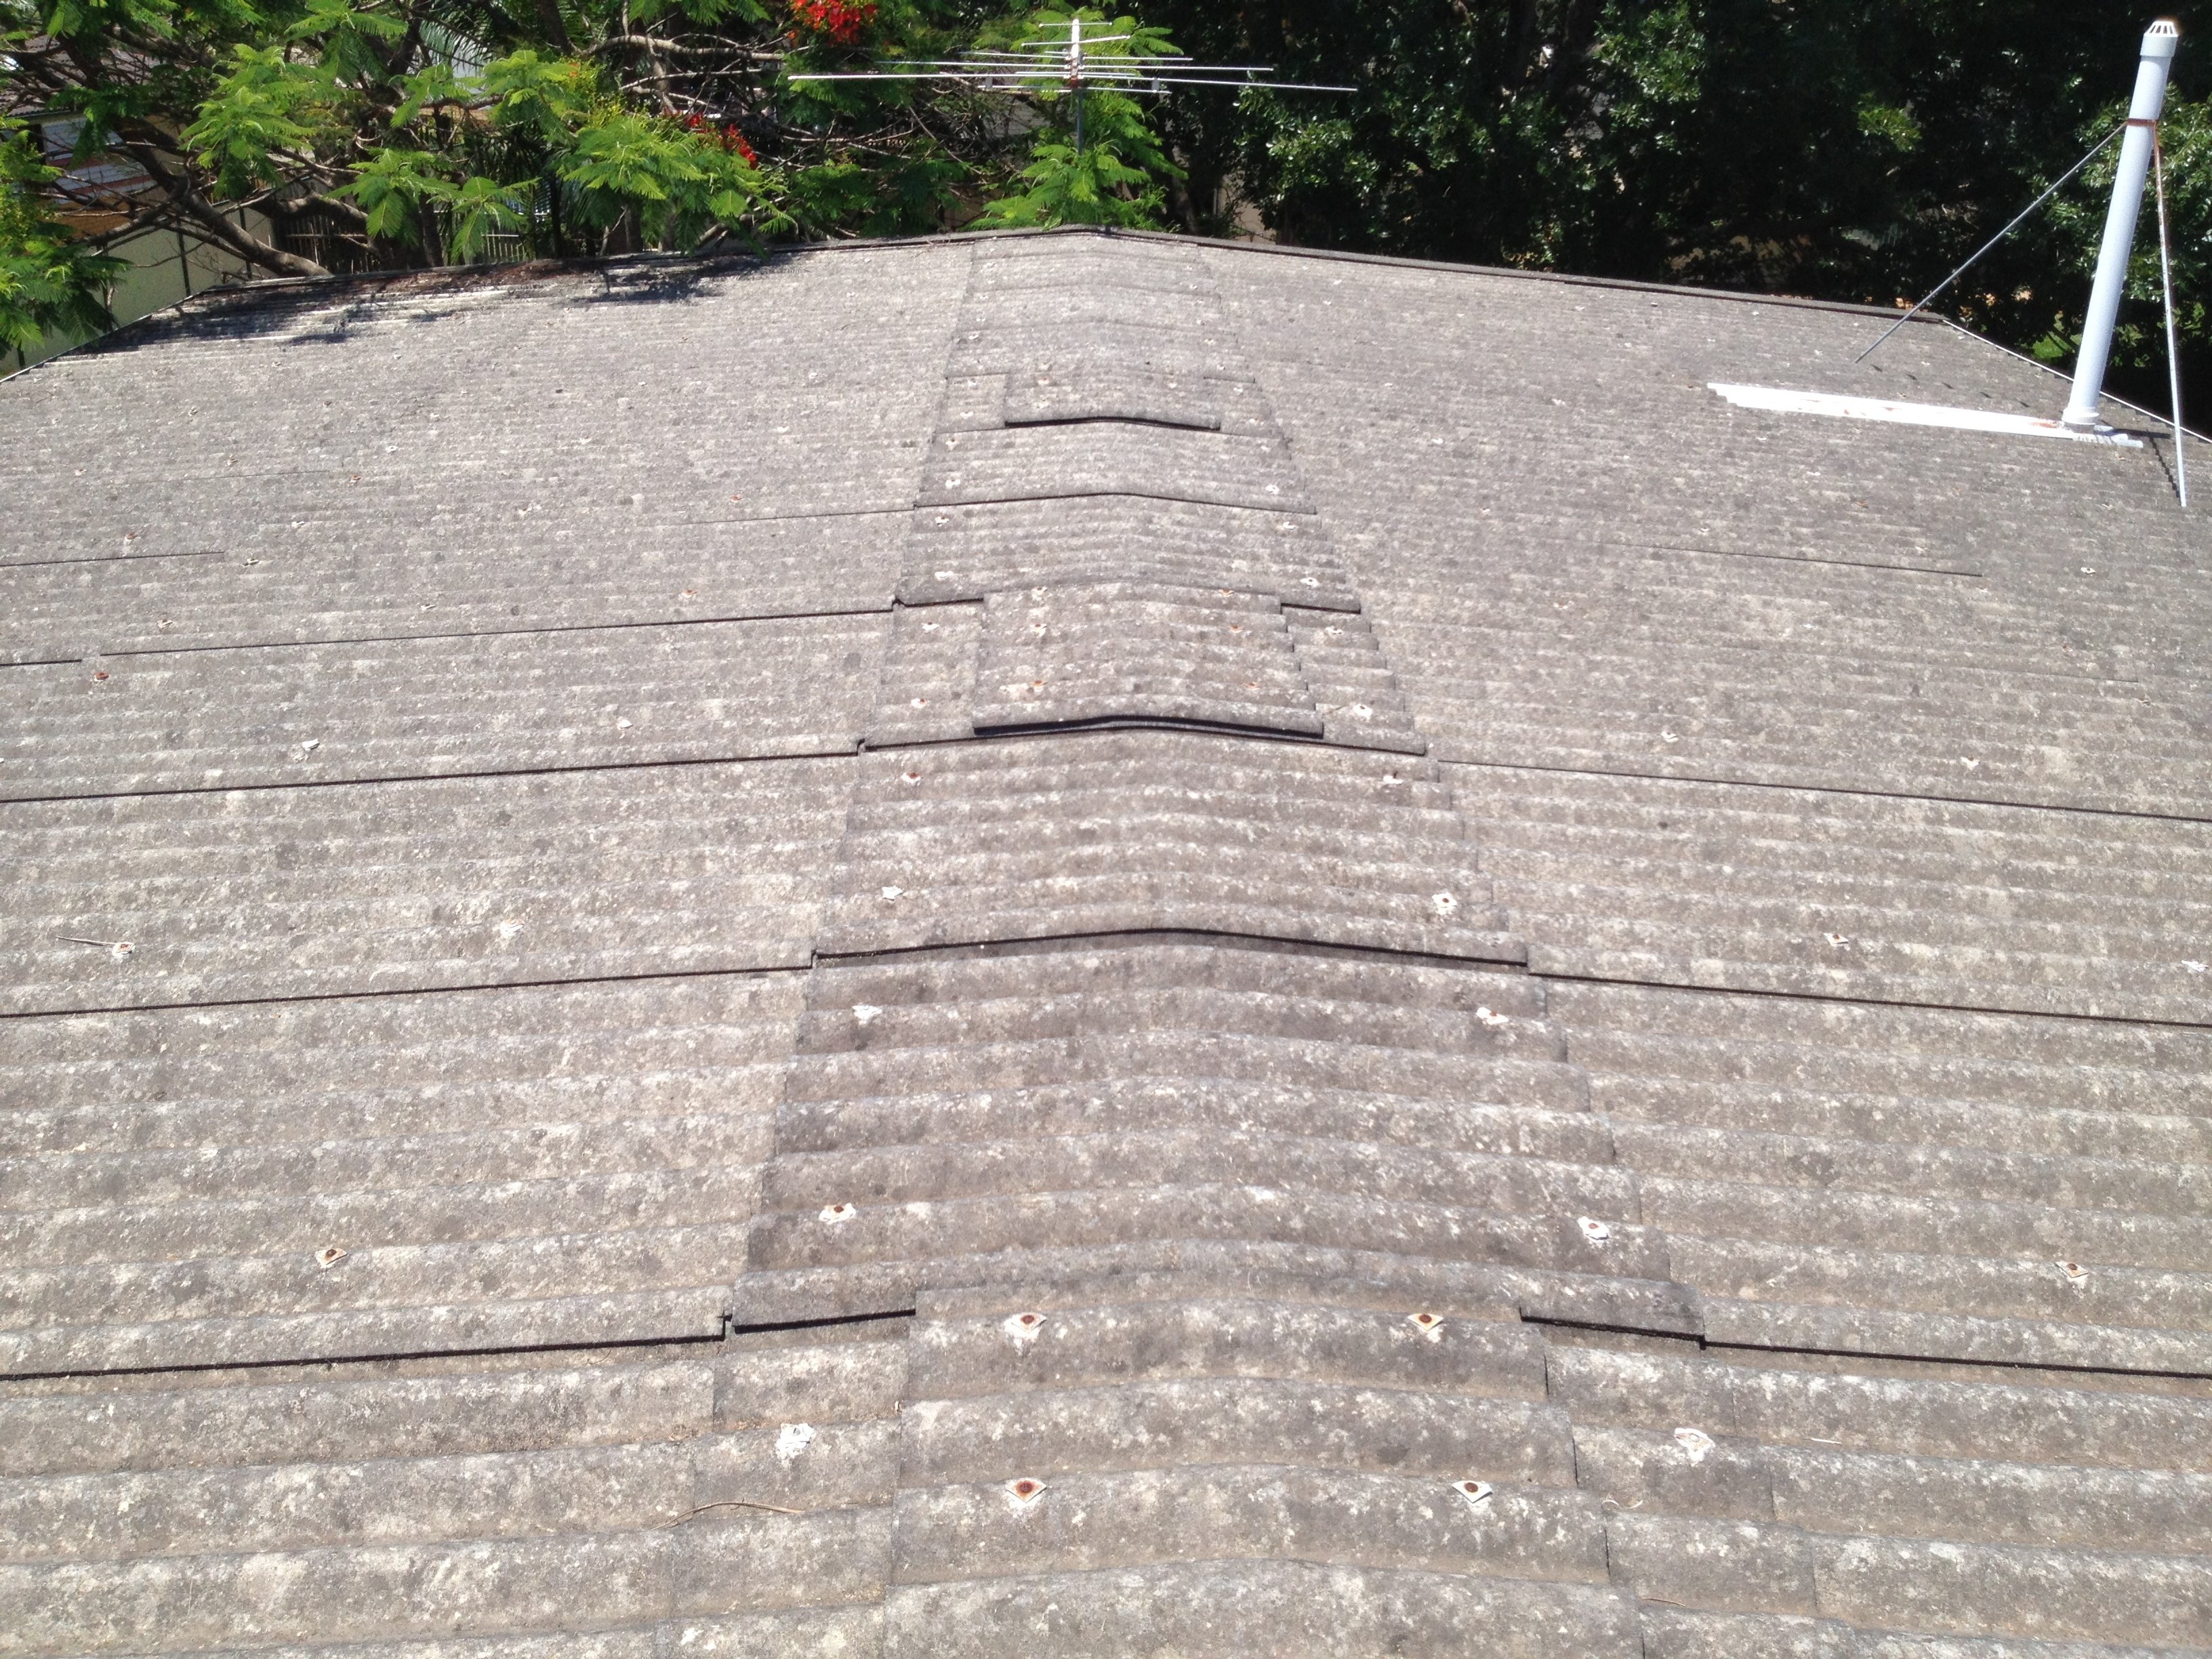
{"x": 1096, "y": 946}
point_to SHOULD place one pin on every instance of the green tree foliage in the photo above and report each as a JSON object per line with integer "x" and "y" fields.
{"x": 1100, "y": 165}
{"x": 391, "y": 132}
{"x": 48, "y": 277}
{"x": 382, "y": 133}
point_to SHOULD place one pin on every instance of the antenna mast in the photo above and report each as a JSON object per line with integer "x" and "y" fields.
{"x": 1074, "y": 65}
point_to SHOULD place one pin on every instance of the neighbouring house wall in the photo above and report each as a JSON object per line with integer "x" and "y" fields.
{"x": 165, "y": 267}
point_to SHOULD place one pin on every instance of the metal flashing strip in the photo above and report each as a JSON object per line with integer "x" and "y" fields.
{"x": 1784, "y": 402}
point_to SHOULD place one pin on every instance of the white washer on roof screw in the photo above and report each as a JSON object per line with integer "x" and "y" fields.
{"x": 1476, "y": 1492}
{"x": 1445, "y": 903}
{"x": 794, "y": 1439}
{"x": 1596, "y": 1231}
{"x": 865, "y": 1011}
{"x": 2073, "y": 1270}
{"x": 835, "y": 1214}
{"x": 1022, "y": 1329}
{"x": 1696, "y": 1443}
{"x": 1491, "y": 1020}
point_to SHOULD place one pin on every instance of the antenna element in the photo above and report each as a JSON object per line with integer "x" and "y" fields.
{"x": 1073, "y": 65}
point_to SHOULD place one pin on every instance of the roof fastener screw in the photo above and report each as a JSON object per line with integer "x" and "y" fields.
{"x": 1024, "y": 1492}
{"x": 1429, "y": 1325}
{"x": 329, "y": 1255}
{"x": 1477, "y": 1493}
{"x": 2073, "y": 1270}
{"x": 1696, "y": 1443}
{"x": 1596, "y": 1231}
{"x": 835, "y": 1214}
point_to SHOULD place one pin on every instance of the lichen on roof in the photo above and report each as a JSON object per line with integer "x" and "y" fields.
{"x": 1093, "y": 943}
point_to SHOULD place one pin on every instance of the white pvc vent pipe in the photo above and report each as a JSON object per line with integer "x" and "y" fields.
{"x": 2159, "y": 45}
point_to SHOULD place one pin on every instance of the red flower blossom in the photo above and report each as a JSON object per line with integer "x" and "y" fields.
{"x": 841, "y": 22}
{"x": 726, "y": 136}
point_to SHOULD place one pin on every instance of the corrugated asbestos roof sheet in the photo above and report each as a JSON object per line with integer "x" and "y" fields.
{"x": 1094, "y": 945}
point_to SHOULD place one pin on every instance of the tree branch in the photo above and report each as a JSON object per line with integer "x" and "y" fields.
{"x": 210, "y": 220}
{"x": 555, "y": 27}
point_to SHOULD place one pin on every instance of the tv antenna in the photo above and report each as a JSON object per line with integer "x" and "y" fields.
{"x": 1074, "y": 65}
